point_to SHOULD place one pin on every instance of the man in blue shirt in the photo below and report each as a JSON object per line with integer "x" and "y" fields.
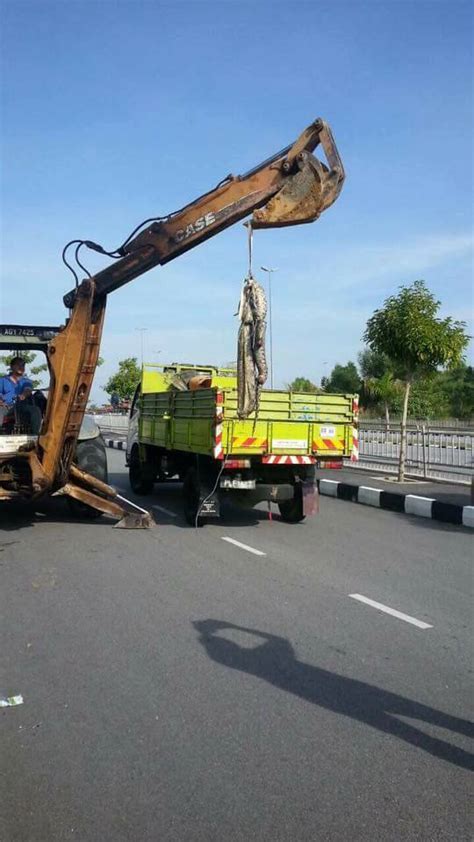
{"x": 15, "y": 393}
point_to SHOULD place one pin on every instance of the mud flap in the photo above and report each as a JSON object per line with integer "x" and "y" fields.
{"x": 209, "y": 504}
{"x": 310, "y": 499}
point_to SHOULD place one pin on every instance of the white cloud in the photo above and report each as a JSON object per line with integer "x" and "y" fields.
{"x": 352, "y": 267}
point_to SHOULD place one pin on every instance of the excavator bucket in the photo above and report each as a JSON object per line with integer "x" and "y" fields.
{"x": 304, "y": 196}
{"x": 98, "y": 495}
{"x": 310, "y": 186}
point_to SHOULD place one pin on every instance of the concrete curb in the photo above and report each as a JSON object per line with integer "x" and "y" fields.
{"x": 116, "y": 443}
{"x": 409, "y": 504}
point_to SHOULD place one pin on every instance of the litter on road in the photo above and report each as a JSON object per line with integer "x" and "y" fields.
{"x": 11, "y": 701}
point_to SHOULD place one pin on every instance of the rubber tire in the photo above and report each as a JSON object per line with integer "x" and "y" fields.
{"x": 91, "y": 456}
{"x": 192, "y": 498}
{"x": 291, "y": 511}
{"x": 141, "y": 480}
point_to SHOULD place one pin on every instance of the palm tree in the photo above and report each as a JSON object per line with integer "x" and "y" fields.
{"x": 382, "y": 392}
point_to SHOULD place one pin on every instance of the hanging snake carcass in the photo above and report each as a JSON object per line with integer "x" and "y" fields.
{"x": 252, "y": 369}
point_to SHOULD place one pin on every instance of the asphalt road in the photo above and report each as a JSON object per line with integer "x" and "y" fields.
{"x": 178, "y": 686}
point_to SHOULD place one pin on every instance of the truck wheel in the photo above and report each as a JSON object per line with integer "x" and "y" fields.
{"x": 140, "y": 477}
{"x": 192, "y": 498}
{"x": 91, "y": 457}
{"x": 291, "y": 511}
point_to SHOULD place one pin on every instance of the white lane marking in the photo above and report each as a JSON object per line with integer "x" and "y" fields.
{"x": 243, "y": 546}
{"x": 11, "y": 701}
{"x": 159, "y": 508}
{"x": 126, "y": 500}
{"x": 165, "y": 511}
{"x": 392, "y": 611}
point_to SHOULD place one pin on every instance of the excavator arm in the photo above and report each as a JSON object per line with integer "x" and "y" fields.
{"x": 290, "y": 188}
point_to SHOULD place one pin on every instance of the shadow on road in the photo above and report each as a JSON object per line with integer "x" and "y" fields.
{"x": 437, "y": 525}
{"x": 275, "y": 661}
{"x": 14, "y": 517}
{"x": 169, "y": 494}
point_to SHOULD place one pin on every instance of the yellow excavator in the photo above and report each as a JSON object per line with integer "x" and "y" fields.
{"x": 290, "y": 188}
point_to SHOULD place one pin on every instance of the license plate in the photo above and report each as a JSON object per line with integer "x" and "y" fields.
{"x": 227, "y": 482}
{"x": 11, "y": 444}
{"x": 289, "y": 444}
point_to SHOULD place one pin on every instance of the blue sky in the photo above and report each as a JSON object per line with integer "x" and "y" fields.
{"x": 116, "y": 111}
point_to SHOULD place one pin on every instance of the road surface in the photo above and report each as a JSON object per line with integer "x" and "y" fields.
{"x": 235, "y": 682}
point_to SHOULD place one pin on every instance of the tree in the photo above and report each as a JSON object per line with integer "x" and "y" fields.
{"x": 408, "y": 330}
{"x": 29, "y": 357}
{"x": 343, "y": 378}
{"x": 380, "y": 388}
{"x": 458, "y": 389}
{"x": 428, "y": 398}
{"x": 302, "y": 384}
{"x": 124, "y": 381}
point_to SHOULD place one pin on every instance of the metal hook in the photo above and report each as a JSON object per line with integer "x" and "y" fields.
{"x": 249, "y": 228}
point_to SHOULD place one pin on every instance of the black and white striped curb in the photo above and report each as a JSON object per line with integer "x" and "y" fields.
{"x": 118, "y": 444}
{"x": 409, "y": 504}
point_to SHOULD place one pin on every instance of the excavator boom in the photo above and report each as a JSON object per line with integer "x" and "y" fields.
{"x": 290, "y": 188}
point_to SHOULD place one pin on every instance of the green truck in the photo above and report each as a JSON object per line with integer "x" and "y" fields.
{"x": 196, "y": 434}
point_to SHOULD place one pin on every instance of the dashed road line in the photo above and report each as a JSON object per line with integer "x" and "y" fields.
{"x": 392, "y": 611}
{"x": 165, "y": 511}
{"x": 243, "y": 546}
{"x": 155, "y": 506}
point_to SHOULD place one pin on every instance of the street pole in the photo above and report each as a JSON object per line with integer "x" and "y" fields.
{"x": 269, "y": 272}
{"x": 141, "y": 331}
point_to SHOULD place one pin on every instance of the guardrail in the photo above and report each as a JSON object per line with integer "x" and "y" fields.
{"x": 112, "y": 423}
{"x": 416, "y": 423}
{"x": 431, "y": 453}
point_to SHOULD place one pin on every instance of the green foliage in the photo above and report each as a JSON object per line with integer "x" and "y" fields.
{"x": 407, "y": 329}
{"x": 31, "y": 370}
{"x": 380, "y": 389}
{"x": 428, "y": 400}
{"x": 125, "y": 380}
{"x": 302, "y": 384}
{"x": 457, "y": 386}
{"x": 373, "y": 365}
{"x": 343, "y": 378}
{"x": 417, "y": 342}
{"x": 384, "y": 391}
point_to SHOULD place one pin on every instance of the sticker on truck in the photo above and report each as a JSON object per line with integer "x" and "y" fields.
{"x": 289, "y": 444}
{"x": 327, "y": 432}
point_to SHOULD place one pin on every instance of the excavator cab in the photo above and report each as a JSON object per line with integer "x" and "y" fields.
{"x": 20, "y": 424}
{"x": 21, "y": 421}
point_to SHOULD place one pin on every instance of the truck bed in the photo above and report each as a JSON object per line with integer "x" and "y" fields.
{"x": 289, "y": 423}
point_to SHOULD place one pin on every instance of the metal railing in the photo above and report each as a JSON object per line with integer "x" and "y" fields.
{"x": 112, "y": 426}
{"x": 432, "y": 453}
{"x": 415, "y": 423}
